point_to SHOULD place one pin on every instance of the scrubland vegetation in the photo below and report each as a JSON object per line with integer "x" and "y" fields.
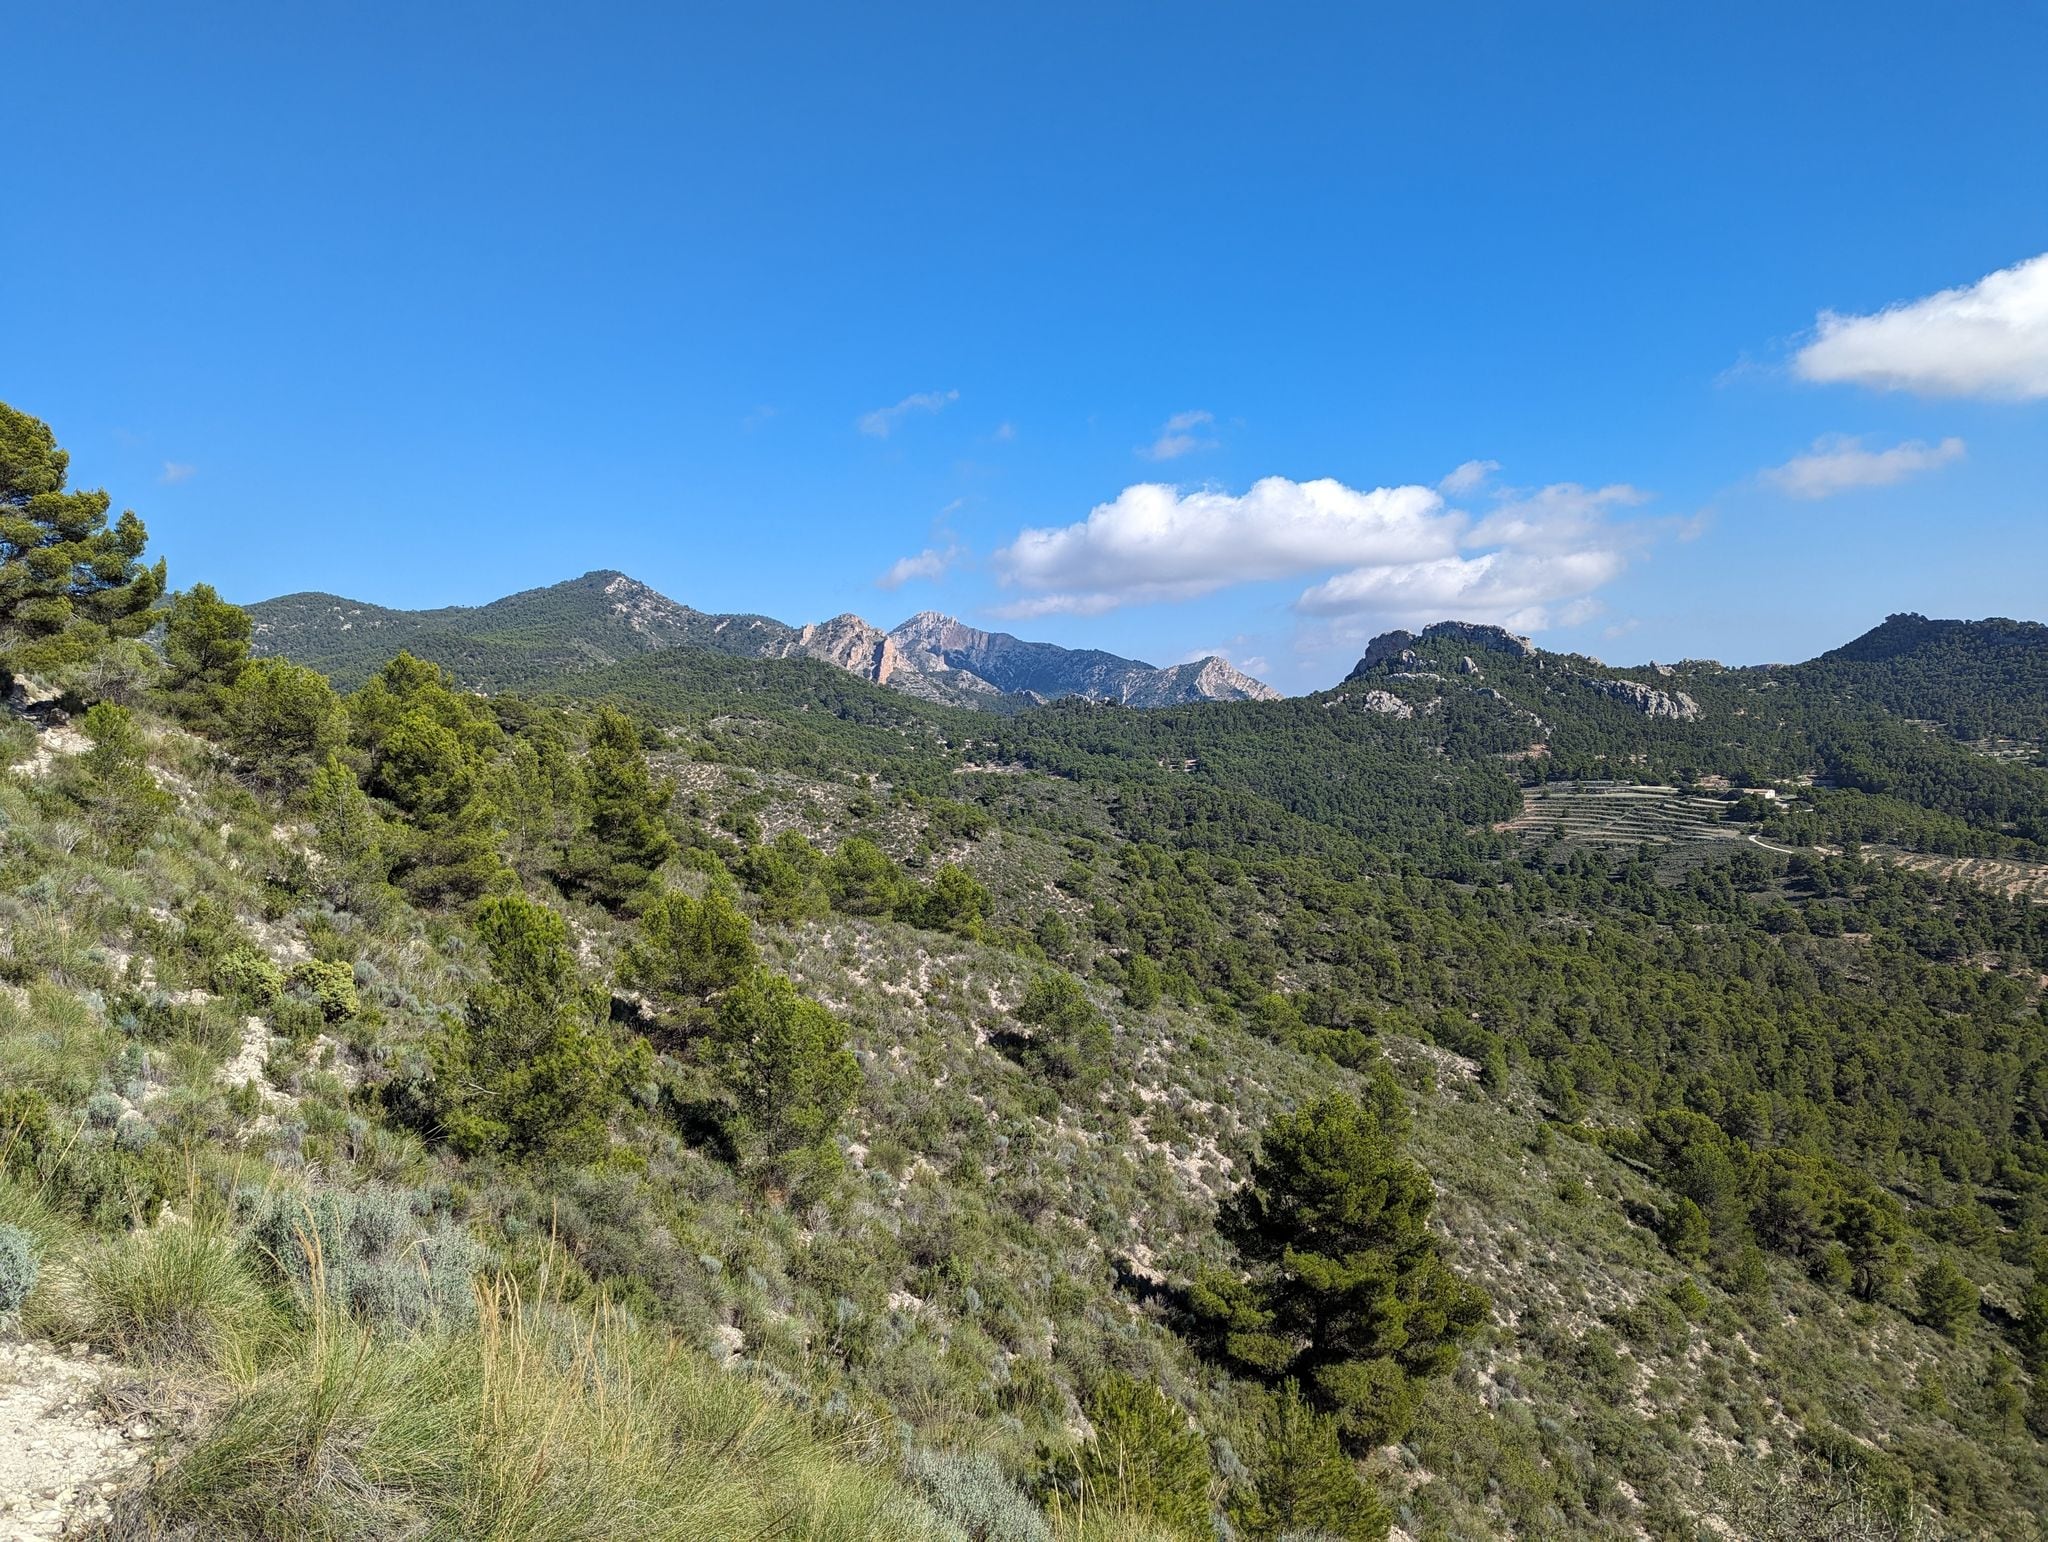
{"x": 711, "y": 1097}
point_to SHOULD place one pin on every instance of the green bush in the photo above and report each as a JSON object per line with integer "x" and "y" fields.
{"x": 1345, "y": 1287}
{"x": 1070, "y": 1042}
{"x": 1303, "y": 1483}
{"x": 690, "y": 947}
{"x": 367, "y": 1251}
{"x": 24, "y": 1128}
{"x": 332, "y": 986}
{"x": 17, "y": 1268}
{"x": 1948, "y": 1301}
{"x": 251, "y": 975}
{"x": 1141, "y": 1459}
{"x": 783, "y": 1060}
{"x": 972, "y": 1492}
{"x": 534, "y": 1068}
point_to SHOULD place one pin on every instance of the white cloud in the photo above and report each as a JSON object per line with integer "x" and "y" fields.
{"x": 1989, "y": 338}
{"x": 883, "y": 421}
{"x": 1403, "y": 555}
{"x": 1004, "y": 433}
{"x": 1156, "y": 542}
{"x": 1838, "y": 463}
{"x": 931, "y": 563}
{"x": 175, "y": 472}
{"x": 1512, "y": 588}
{"x": 1180, "y": 434}
{"x": 1469, "y": 477}
{"x": 1561, "y": 517}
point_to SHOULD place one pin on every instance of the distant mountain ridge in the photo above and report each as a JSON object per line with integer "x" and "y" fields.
{"x": 606, "y": 616}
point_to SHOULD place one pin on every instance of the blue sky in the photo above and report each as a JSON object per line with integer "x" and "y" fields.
{"x": 1151, "y": 328}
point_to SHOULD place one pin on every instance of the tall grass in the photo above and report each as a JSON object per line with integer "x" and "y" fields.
{"x": 541, "y": 1422}
{"x": 173, "y": 1297}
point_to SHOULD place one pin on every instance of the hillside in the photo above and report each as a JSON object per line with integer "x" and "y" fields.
{"x": 605, "y": 617}
{"x": 699, "y": 1094}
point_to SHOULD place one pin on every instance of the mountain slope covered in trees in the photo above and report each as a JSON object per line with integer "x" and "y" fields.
{"x": 604, "y": 617}
{"x": 699, "y": 1094}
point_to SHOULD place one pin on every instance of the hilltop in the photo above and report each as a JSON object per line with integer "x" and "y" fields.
{"x": 605, "y": 617}
{"x": 708, "y": 1092}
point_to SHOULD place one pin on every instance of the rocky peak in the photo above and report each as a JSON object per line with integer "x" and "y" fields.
{"x": 930, "y": 637}
{"x": 851, "y": 644}
{"x": 1207, "y": 679}
{"x": 1399, "y": 645}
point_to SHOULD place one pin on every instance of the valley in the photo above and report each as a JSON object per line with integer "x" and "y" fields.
{"x": 748, "y": 1094}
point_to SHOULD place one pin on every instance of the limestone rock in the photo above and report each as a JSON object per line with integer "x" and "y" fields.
{"x": 1648, "y": 700}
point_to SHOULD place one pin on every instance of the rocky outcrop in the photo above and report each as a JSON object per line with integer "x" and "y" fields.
{"x": 1648, "y": 700}
{"x": 847, "y": 642}
{"x": 932, "y": 644}
{"x": 1385, "y": 702}
{"x": 1398, "y": 647}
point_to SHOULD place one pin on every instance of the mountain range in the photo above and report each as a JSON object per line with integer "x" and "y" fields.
{"x": 607, "y": 617}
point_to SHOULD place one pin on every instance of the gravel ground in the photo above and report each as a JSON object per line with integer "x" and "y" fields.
{"x": 60, "y": 1459}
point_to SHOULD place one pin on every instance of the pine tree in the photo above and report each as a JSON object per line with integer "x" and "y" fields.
{"x": 68, "y": 583}
{"x": 1948, "y": 1301}
{"x": 1345, "y": 1287}
{"x": 2033, "y": 1326}
{"x": 349, "y": 838}
{"x": 1142, "y": 1458}
{"x": 1303, "y": 1483}
{"x": 206, "y": 644}
{"x": 1871, "y": 1232}
{"x": 625, "y": 837}
{"x": 283, "y": 720}
{"x": 112, "y": 780}
{"x": 783, "y": 1061}
{"x": 862, "y": 879}
{"x": 534, "y": 1069}
{"x": 689, "y": 948}
{"x": 1069, "y": 1042}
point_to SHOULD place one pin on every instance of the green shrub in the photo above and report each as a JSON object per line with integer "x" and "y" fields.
{"x": 368, "y": 1252}
{"x": 690, "y": 947}
{"x": 17, "y": 1268}
{"x": 954, "y": 901}
{"x": 332, "y": 986}
{"x": 1070, "y": 1042}
{"x": 251, "y": 975}
{"x": 24, "y": 1128}
{"x": 534, "y": 1068}
{"x": 1142, "y": 1458}
{"x": 783, "y": 1059}
{"x": 1948, "y": 1301}
{"x": 1303, "y": 1483}
{"x": 972, "y": 1492}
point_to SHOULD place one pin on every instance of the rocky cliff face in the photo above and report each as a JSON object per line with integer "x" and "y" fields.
{"x": 1209, "y": 679}
{"x": 1648, "y": 700}
{"x": 847, "y": 642}
{"x": 1389, "y": 647}
{"x": 932, "y": 644}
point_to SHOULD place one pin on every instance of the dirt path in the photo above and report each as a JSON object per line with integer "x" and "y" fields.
{"x": 59, "y": 1459}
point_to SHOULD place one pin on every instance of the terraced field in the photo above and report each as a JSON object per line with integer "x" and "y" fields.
{"x": 1622, "y": 814}
{"x": 2001, "y": 875}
